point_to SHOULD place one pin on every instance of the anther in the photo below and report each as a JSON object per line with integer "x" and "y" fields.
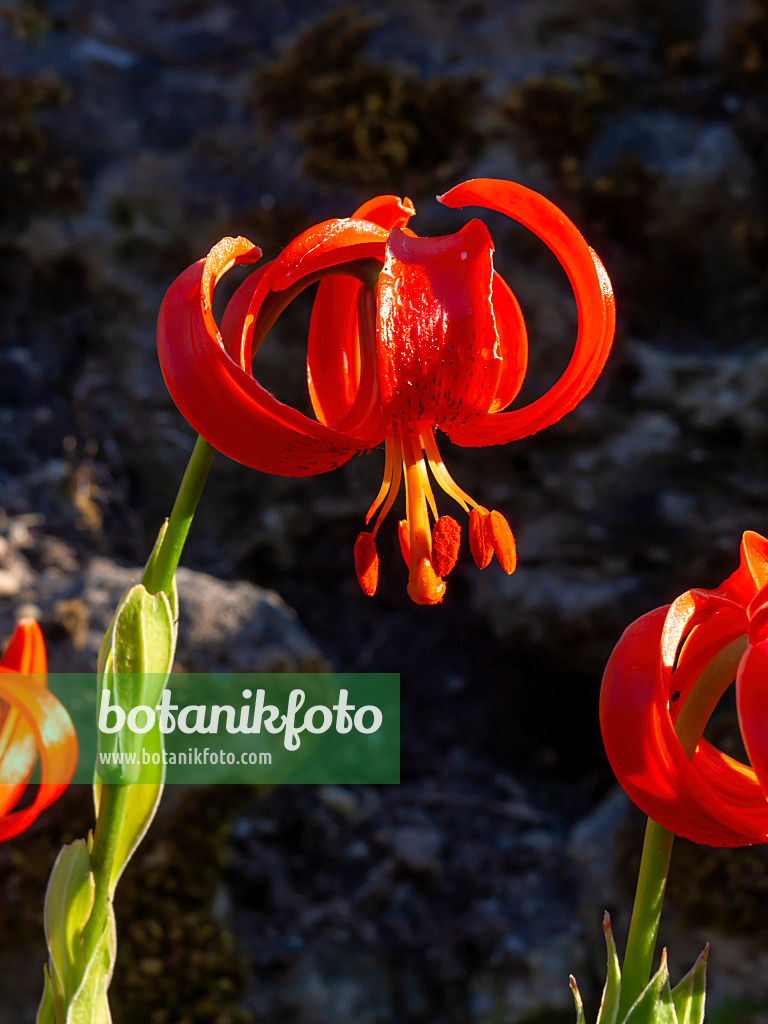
{"x": 366, "y": 563}
{"x": 503, "y": 541}
{"x": 446, "y": 536}
{"x": 480, "y": 543}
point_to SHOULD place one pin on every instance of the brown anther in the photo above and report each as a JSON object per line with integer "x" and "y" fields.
{"x": 404, "y": 536}
{"x": 503, "y": 541}
{"x": 446, "y": 536}
{"x": 480, "y": 543}
{"x": 366, "y": 563}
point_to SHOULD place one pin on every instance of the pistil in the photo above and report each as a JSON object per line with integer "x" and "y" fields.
{"x": 424, "y": 585}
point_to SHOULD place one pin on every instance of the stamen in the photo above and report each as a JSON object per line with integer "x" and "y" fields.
{"x": 503, "y": 541}
{"x": 427, "y": 487}
{"x": 394, "y": 488}
{"x": 445, "y": 544}
{"x": 366, "y": 563}
{"x": 441, "y": 474}
{"x": 480, "y": 543}
{"x": 386, "y": 483}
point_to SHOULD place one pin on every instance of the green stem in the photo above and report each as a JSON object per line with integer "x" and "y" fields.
{"x": 158, "y": 577}
{"x": 702, "y": 700}
{"x": 646, "y": 912}
{"x": 112, "y": 803}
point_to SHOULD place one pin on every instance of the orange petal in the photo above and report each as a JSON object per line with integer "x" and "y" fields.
{"x": 446, "y": 536}
{"x": 26, "y": 650}
{"x": 503, "y": 542}
{"x": 56, "y": 743}
{"x": 367, "y": 563}
{"x": 479, "y": 538}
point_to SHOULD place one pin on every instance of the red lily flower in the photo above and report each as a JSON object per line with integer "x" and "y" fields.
{"x": 32, "y": 722}
{"x": 408, "y": 334}
{"x": 669, "y": 669}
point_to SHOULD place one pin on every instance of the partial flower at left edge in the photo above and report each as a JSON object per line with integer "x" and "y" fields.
{"x": 33, "y": 723}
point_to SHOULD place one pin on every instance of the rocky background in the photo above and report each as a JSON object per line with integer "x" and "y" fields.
{"x": 134, "y": 135}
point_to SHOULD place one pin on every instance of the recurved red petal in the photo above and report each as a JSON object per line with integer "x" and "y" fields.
{"x": 26, "y": 650}
{"x": 334, "y": 356}
{"x": 56, "y": 744}
{"x": 709, "y": 799}
{"x": 752, "y": 706}
{"x": 386, "y": 211}
{"x": 223, "y": 402}
{"x": 752, "y": 575}
{"x": 594, "y": 302}
{"x": 513, "y": 344}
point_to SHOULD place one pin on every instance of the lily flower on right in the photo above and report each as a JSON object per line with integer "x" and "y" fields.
{"x": 660, "y": 687}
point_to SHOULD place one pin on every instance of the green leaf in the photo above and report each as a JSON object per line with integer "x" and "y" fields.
{"x": 577, "y": 1001}
{"x": 609, "y": 1004}
{"x": 654, "y": 1004}
{"x": 45, "y": 1013}
{"x": 68, "y": 901}
{"x": 689, "y": 994}
{"x": 141, "y": 805}
{"x": 134, "y": 662}
{"x": 90, "y": 1004}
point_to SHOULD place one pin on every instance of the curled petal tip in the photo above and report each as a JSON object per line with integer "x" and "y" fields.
{"x": 367, "y": 563}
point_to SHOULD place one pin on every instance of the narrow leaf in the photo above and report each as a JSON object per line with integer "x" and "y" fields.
{"x": 654, "y": 1004}
{"x": 90, "y": 1004}
{"x": 609, "y": 1004}
{"x": 142, "y": 802}
{"x": 689, "y": 994}
{"x": 45, "y": 1010}
{"x": 68, "y": 901}
{"x": 577, "y": 1001}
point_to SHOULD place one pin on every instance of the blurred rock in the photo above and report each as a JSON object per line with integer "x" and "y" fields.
{"x": 229, "y": 626}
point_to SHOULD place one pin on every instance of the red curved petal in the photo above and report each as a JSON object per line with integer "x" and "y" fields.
{"x": 752, "y": 575}
{"x": 438, "y": 352}
{"x": 594, "y": 301}
{"x": 752, "y": 706}
{"x": 708, "y": 632}
{"x": 513, "y": 343}
{"x": 56, "y": 744}
{"x": 223, "y": 402}
{"x": 333, "y": 350}
{"x": 26, "y": 650}
{"x": 709, "y": 799}
{"x": 386, "y": 211}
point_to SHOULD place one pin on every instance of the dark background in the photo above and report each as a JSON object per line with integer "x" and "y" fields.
{"x": 132, "y": 137}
